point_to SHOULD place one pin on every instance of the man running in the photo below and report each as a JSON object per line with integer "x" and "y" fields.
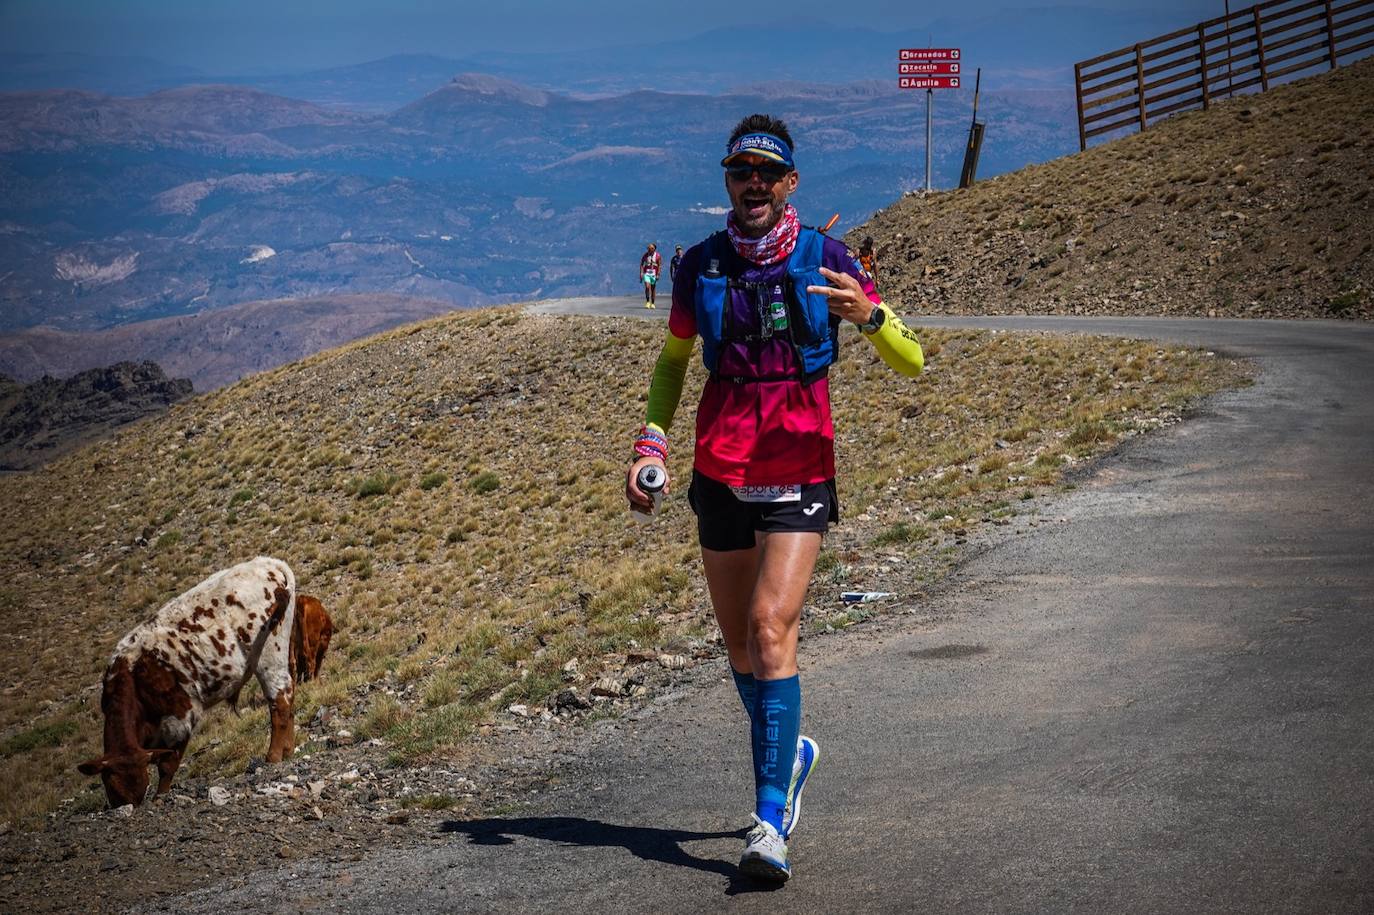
{"x": 767, "y": 296}
{"x": 650, "y": 262}
{"x": 675, "y": 263}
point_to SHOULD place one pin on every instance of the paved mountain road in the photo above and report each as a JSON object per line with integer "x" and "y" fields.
{"x": 1162, "y": 704}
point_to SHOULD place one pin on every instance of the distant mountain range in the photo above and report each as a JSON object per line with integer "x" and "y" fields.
{"x": 132, "y": 190}
{"x": 215, "y": 348}
{"x": 1018, "y": 48}
{"x": 122, "y": 209}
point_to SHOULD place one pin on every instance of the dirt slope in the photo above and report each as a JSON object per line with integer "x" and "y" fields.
{"x": 1259, "y": 207}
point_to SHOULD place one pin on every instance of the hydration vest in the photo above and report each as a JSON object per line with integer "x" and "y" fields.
{"x": 807, "y": 327}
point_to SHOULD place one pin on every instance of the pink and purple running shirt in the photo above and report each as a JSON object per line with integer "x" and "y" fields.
{"x": 769, "y": 429}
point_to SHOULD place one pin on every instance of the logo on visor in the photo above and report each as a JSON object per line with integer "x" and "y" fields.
{"x": 755, "y": 141}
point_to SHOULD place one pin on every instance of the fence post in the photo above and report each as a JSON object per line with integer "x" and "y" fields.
{"x": 1140, "y": 83}
{"x": 1078, "y": 90}
{"x": 1230, "y": 86}
{"x": 1259, "y": 49}
{"x": 1202, "y": 58}
{"x": 1330, "y": 36}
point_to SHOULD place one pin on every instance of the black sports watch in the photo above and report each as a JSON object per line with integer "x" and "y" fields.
{"x": 875, "y": 320}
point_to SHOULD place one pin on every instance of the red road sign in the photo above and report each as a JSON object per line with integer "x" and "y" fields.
{"x": 927, "y": 82}
{"x": 928, "y": 54}
{"x": 929, "y": 68}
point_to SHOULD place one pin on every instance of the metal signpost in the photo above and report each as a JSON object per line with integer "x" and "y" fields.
{"x": 928, "y": 69}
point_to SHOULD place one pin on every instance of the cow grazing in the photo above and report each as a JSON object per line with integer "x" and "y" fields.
{"x": 310, "y": 637}
{"x": 198, "y": 650}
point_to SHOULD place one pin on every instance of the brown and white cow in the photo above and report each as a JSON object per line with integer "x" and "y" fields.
{"x": 197, "y": 651}
{"x": 310, "y": 637}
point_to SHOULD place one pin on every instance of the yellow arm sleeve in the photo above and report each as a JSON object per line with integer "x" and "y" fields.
{"x": 666, "y": 388}
{"x": 897, "y": 345}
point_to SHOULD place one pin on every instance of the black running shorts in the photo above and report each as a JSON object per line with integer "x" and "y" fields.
{"x": 726, "y": 522}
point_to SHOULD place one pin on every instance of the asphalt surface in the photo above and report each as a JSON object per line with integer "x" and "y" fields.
{"x": 1161, "y": 702}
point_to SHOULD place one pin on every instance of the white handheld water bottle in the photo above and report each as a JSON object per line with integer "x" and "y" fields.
{"x": 651, "y": 479}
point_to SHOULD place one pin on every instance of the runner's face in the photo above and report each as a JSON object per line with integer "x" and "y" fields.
{"x": 758, "y": 204}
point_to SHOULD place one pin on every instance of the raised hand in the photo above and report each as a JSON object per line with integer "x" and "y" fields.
{"x": 847, "y": 298}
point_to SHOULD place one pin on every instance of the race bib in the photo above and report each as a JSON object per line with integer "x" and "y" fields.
{"x": 788, "y": 492}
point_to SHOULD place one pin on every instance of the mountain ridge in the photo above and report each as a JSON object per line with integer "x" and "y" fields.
{"x": 49, "y": 417}
{"x": 217, "y": 347}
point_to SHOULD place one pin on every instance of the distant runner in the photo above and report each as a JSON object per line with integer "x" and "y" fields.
{"x": 674, "y": 264}
{"x": 763, "y": 481}
{"x": 868, "y": 259}
{"x": 650, "y": 263}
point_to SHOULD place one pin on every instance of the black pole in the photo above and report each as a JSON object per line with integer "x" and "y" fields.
{"x": 977, "y": 82}
{"x": 975, "y": 138}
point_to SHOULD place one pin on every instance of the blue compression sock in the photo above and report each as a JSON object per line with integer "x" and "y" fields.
{"x": 776, "y": 726}
{"x": 745, "y": 684}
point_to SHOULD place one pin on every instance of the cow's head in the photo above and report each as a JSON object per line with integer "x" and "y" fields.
{"x": 125, "y": 776}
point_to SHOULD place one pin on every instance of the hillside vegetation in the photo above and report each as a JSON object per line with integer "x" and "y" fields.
{"x": 452, "y": 490}
{"x": 1259, "y": 207}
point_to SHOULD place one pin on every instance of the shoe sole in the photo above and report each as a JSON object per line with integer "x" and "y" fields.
{"x": 761, "y": 868}
{"x": 801, "y": 785}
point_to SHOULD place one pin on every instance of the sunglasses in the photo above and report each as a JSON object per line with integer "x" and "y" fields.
{"x": 771, "y": 174}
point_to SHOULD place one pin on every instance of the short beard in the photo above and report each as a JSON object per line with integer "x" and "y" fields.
{"x": 762, "y": 226}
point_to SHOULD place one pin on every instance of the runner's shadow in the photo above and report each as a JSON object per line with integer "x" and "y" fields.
{"x": 647, "y": 843}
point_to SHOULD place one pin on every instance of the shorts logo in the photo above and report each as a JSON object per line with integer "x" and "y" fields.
{"x": 815, "y": 506}
{"x": 756, "y": 493}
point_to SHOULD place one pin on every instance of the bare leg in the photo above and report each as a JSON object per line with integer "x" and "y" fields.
{"x": 730, "y": 576}
{"x": 776, "y": 602}
{"x": 758, "y": 595}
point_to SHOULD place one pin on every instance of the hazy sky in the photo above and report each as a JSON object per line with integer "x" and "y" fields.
{"x": 282, "y": 35}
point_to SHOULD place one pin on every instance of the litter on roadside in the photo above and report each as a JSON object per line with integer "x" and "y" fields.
{"x": 863, "y": 597}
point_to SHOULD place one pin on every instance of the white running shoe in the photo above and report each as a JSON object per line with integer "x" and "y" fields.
{"x": 808, "y": 751}
{"x": 765, "y": 853}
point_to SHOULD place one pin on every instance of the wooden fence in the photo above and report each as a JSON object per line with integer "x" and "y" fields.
{"x": 1192, "y": 67}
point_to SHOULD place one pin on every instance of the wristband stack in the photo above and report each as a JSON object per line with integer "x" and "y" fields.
{"x": 652, "y": 442}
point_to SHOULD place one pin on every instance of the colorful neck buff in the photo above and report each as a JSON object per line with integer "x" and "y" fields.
{"x": 771, "y": 248}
